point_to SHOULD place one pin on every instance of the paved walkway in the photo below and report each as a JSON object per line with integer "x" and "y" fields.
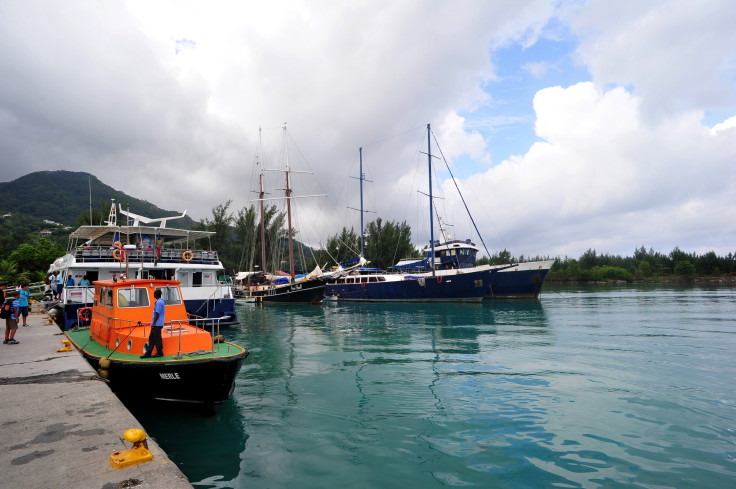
{"x": 59, "y": 423}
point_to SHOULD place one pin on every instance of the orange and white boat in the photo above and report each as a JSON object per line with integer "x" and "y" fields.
{"x": 198, "y": 366}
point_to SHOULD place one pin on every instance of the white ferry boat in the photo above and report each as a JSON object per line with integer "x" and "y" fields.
{"x": 141, "y": 248}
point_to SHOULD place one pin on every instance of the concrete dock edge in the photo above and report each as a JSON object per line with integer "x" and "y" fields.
{"x": 59, "y": 422}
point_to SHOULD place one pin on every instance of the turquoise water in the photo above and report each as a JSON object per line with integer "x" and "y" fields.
{"x": 595, "y": 387}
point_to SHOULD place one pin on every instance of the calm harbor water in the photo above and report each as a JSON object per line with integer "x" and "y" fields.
{"x": 587, "y": 387}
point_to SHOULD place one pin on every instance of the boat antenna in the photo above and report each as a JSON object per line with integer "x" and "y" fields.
{"x": 462, "y": 198}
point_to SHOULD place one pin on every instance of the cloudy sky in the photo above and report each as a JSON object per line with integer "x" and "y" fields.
{"x": 568, "y": 125}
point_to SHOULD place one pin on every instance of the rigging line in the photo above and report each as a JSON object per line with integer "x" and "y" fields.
{"x": 461, "y": 195}
{"x": 289, "y": 138}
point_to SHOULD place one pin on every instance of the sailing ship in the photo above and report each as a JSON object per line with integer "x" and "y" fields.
{"x": 142, "y": 247}
{"x": 440, "y": 257}
{"x": 276, "y": 288}
{"x": 434, "y": 284}
{"x": 197, "y": 365}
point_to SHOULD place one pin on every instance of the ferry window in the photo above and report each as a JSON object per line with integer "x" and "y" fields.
{"x": 170, "y": 295}
{"x": 108, "y": 297}
{"x": 364, "y": 279}
{"x": 132, "y": 297}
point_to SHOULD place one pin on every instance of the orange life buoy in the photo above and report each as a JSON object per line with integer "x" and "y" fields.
{"x": 85, "y": 314}
{"x": 439, "y": 279}
{"x": 117, "y": 253}
{"x": 187, "y": 255}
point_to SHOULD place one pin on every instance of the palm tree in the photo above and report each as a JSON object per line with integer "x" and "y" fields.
{"x": 8, "y": 271}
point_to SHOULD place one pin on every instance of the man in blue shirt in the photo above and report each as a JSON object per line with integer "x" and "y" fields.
{"x": 157, "y": 324}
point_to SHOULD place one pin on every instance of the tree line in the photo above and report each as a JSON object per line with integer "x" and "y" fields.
{"x": 643, "y": 265}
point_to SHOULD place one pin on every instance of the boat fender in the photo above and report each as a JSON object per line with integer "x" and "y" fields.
{"x": 187, "y": 256}
{"x": 85, "y": 314}
{"x": 104, "y": 362}
{"x": 137, "y": 454}
{"x": 103, "y": 373}
{"x": 219, "y": 338}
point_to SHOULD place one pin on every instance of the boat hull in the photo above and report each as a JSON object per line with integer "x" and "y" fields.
{"x": 207, "y": 380}
{"x": 308, "y": 292}
{"x": 461, "y": 287}
{"x": 522, "y": 281}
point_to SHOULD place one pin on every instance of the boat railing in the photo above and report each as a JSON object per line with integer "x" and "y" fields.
{"x": 89, "y": 254}
{"x": 214, "y": 325}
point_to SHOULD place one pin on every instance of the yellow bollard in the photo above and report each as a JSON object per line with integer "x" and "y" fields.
{"x": 67, "y": 346}
{"x": 137, "y": 454}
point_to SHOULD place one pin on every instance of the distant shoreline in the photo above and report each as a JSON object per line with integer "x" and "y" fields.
{"x": 667, "y": 279}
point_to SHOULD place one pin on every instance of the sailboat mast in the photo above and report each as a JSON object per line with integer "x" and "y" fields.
{"x": 261, "y": 194}
{"x": 288, "y": 211}
{"x": 431, "y": 218}
{"x": 362, "y": 238}
{"x": 263, "y": 226}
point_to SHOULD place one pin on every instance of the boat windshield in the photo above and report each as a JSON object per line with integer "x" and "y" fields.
{"x": 132, "y": 297}
{"x": 170, "y": 295}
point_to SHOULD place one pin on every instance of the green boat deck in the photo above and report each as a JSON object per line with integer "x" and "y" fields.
{"x": 82, "y": 341}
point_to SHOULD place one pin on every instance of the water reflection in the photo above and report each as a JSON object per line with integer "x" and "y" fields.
{"x": 207, "y": 448}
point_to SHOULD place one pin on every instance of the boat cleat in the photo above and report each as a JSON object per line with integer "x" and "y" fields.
{"x": 135, "y": 455}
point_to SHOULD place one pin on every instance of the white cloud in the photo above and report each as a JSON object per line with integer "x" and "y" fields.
{"x": 605, "y": 177}
{"x": 678, "y": 55}
{"x": 164, "y": 99}
{"x": 722, "y": 126}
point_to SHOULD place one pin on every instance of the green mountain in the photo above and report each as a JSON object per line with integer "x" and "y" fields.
{"x": 62, "y": 196}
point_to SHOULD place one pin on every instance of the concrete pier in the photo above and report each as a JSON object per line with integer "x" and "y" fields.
{"x": 59, "y": 423}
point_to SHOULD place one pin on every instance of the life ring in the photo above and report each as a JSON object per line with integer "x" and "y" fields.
{"x": 85, "y": 314}
{"x": 439, "y": 279}
{"x": 118, "y": 254}
{"x": 187, "y": 255}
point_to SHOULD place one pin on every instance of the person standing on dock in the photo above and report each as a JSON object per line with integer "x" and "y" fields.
{"x": 157, "y": 324}
{"x": 59, "y": 285}
{"x": 52, "y": 284}
{"x": 23, "y": 303}
{"x": 11, "y": 323}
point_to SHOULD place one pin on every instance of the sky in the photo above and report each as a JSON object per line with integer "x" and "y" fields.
{"x": 567, "y": 125}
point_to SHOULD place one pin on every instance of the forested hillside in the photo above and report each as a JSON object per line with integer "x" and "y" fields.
{"x": 62, "y": 196}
